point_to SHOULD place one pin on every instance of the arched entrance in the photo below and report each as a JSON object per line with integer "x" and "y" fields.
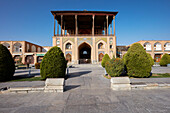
{"x": 84, "y": 53}
{"x": 68, "y": 57}
{"x": 101, "y": 57}
{"x": 29, "y": 59}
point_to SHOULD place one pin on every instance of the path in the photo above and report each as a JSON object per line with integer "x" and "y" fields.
{"x": 88, "y": 92}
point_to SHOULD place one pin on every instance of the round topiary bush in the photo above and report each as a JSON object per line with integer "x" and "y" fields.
{"x": 7, "y": 66}
{"x": 53, "y": 64}
{"x": 137, "y": 61}
{"x": 114, "y": 67}
{"x": 165, "y": 60}
{"x": 151, "y": 59}
{"x": 104, "y": 60}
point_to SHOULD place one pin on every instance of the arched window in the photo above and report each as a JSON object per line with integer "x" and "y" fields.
{"x": 68, "y": 46}
{"x": 100, "y": 45}
{"x": 17, "y": 47}
{"x": 33, "y": 48}
{"x": 157, "y": 46}
{"x": 58, "y": 41}
{"x": 167, "y": 46}
{"x": 39, "y": 49}
{"x": 28, "y": 48}
{"x": 68, "y": 57}
{"x": 6, "y": 45}
{"x": 147, "y": 46}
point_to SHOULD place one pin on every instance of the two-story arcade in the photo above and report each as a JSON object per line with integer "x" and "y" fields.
{"x": 85, "y": 36}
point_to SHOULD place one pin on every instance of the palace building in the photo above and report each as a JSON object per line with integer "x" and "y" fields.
{"x": 25, "y": 52}
{"x": 85, "y": 36}
{"x": 156, "y": 48}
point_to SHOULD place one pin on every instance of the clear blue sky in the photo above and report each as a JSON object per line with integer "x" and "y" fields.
{"x": 31, "y": 20}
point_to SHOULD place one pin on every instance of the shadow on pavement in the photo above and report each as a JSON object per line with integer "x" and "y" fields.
{"x": 25, "y": 76}
{"x": 78, "y": 74}
{"x": 24, "y": 71}
{"x": 69, "y": 87}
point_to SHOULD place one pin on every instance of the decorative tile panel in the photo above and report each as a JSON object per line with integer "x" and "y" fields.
{"x": 81, "y": 40}
{"x": 65, "y": 39}
{"x": 104, "y": 39}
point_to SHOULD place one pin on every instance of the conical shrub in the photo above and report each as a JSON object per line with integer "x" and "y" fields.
{"x": 7, "y": 66}
{"x": 53, "y": 64}
{"x": 137, "y": 61}
{"x": 105, "y": 59}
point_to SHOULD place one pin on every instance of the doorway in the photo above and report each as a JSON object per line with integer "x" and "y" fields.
{"x": 84, "y": 53}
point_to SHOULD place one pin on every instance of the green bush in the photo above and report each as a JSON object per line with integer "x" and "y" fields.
{"x": 105, "y": 59}
{"x": 165, "y": 60}
{"x": 53, "y": 64}
{"x": 7, "y": 66}
{"x": 151, "y": 59}
{"x": 37, "y": 65}
{"x": 137, "y": 61}
{"x": 114, "y": 67}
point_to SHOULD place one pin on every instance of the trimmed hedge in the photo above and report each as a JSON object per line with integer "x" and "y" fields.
{"x": 53, "y": 64}
{"x": 151, "y": 59}
{"x": 114, "y": 67}
{"x": 7, "y": 66}
{"x": 137, "y": 61}
{"x": 104, "y": 60}
{"x": 165, "y": 60}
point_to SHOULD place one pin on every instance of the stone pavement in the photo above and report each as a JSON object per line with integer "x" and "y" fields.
{"x": 87, "y": 91}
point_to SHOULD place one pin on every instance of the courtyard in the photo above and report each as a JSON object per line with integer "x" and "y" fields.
{"x": 87, "y": 91}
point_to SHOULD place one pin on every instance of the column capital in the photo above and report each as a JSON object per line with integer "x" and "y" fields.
{"x": 75, "y": 16}
{"x": 93, "y": 16}
{"x": 113, "y": 17}
{"x": 107, "y": 16}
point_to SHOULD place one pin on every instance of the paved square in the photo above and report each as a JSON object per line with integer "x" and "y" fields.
{"x": 87, "y": 91}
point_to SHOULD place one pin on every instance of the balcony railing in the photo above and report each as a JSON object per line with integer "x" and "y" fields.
{"x": 87, "y": 35}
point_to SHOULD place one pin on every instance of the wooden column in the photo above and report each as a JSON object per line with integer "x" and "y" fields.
{"x": 61, "y": 24}
{"x": 107, "y": 24}
{"x": 114, "y": 24}
{"x": 111, "y": 27}
{"x": 93, "y": 25}
{"x": 64, "y": 29}
{"x": 75, "y": 24}
{"x": 57, "y": 28}
{"x": 104, "y": 28}
{"x": 54, "y": 25}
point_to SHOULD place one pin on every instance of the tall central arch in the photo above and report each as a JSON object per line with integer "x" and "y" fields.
{"x": 84, "y": 53}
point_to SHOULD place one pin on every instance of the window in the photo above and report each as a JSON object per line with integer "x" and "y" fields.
{"x": 17, "y": 47}
{"x": 33, "y": 48}
{"x": 111, "y": 46}
{"x": 157, "y": 46}
{"x": 100, "y": 45}
{"x": 167, "y": 46}
{"x": 147, "y": 46}
{"x": 58, "y": 41}
{"x": 68, "y": 46}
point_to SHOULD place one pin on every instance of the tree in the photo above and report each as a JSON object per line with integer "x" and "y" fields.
{"x": 165, "y": 60}
{"x": 105, "y": 59}
{"x": 137, "y": 61}
{"x": 7, "y": 66}
{"x": 53, "y": 64}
